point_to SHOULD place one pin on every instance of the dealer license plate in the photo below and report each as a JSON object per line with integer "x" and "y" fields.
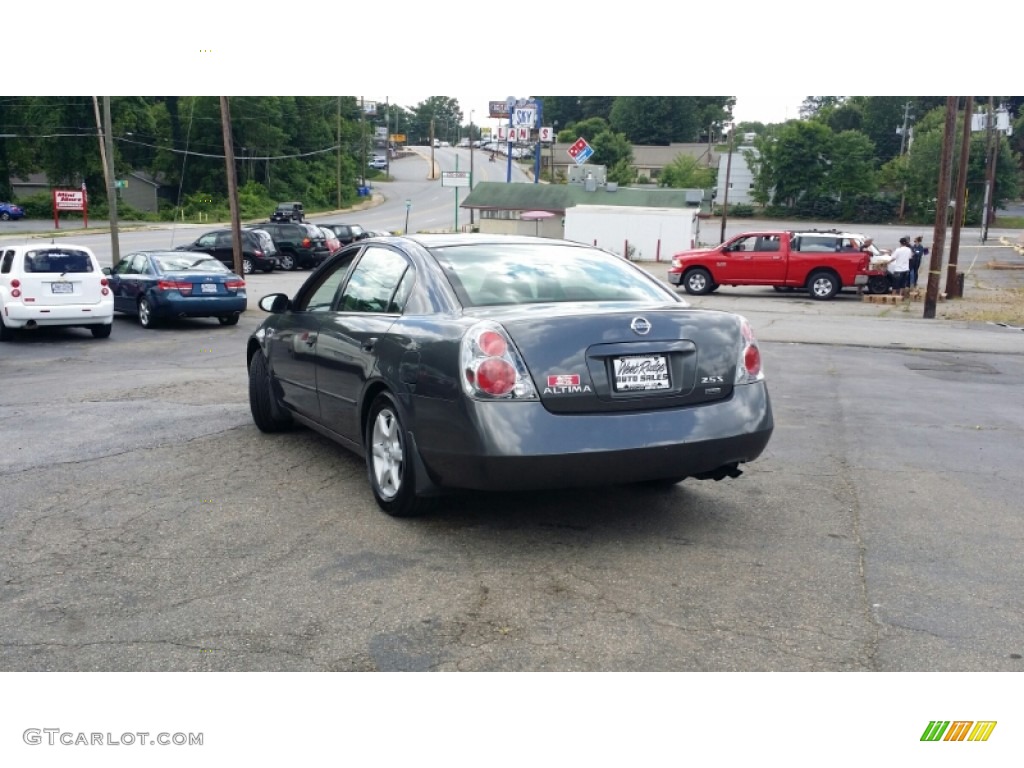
{"x": 641, "y": 373}
{"x": 209, "y": 287}
{"x": 62, "y": 287}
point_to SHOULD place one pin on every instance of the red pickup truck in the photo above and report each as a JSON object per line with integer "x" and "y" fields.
{"x": 820, "y": 262}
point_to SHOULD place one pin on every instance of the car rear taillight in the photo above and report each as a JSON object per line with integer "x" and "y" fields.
{"x": 306, "y": 242}
{"x": 103, "y": 289}
{"x": 175, "y": 285}
{"x": 491, "y": 366}
{"x": 15, "y": 288}
{"x": 234, "y": 285}
{"x": 748, "y": 366}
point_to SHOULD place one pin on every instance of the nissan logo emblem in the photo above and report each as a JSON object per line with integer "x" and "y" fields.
{"x": 640, "y": 326}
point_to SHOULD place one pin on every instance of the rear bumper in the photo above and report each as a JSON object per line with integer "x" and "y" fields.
{"x": 523, "y": 446}
{"x": 20, "y": 315}
{"x": 176, "y": 305}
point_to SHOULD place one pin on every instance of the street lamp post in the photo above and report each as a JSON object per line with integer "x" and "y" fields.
{"x": 471, "y": 166}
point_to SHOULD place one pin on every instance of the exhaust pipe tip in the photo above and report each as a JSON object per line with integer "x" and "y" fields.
{"x": 722, "y": 472}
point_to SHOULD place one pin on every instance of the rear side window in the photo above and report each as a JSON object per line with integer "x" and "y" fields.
{"x": 57, "y": 260}
{"x": 817, "y": 244}
{"x": 5, "y": 267}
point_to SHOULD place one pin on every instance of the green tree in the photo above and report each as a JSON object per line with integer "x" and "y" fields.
{"x": 686, "y": 172}
{"x": 800, "y": 160}
{"x": 587, "y": 129}
{"x": 851, "y": 166}
{"x": 660, "y": 120}
{"x": 614, "y": 151}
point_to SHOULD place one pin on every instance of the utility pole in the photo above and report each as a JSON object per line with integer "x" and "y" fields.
{"x": 229, "y": 161}
{"x": 471, "y": 166}
{"x": 108, "y": 140}
{"x": 903, "y": 143}
{"x": 941, "y": 209}
{"x": 987, "y": 207}
{"x": 431, "y": 176}
{"x": 728, "y": 173}
{"x": 953, "y": 288}
{"x": 338, "y": 142}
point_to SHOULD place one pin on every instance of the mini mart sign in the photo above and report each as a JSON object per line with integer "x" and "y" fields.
{"x": 70, "y": 200}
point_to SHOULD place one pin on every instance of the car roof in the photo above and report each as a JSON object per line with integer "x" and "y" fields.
{"x": 439, "y": 240}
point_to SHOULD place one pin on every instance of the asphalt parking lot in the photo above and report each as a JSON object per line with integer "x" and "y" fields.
{"x": 147, "y": 525}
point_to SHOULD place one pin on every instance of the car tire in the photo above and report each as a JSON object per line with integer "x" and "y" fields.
{"x": 267, "y": 414}
{"x": 247, "y": 265}
{"x": 879, "y": 284}
{"x": 822, "y": 285}
{"x": 287, "y": 261}
{"x": 228, "y": 319}
{"x": 101, "y": 331}
{"x": 5, "y": 216}
{"x": 146, "y": 319}
{"x": 389, "y": 461}
{"x": 698, "y": 281}
{"x": 6, "y": 334}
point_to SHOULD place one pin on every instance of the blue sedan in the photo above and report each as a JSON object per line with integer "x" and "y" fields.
{"x": 170, "y": 284}
{"x": 10, "y": 211}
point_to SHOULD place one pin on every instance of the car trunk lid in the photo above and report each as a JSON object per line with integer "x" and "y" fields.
{"x": 587, "y": 358}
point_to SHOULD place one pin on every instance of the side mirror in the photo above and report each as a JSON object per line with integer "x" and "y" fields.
{"x": 107, "y": 271}
{"x": 275, "y": 303}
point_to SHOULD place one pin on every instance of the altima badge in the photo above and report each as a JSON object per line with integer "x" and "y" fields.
{"x": 640, "y": 326}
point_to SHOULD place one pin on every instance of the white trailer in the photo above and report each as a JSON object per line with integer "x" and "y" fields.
{"x": 637, "y": 233}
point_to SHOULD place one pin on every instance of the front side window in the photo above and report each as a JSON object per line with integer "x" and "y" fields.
{"x": 323, "y": 295}
{"x": 373, "y": 281}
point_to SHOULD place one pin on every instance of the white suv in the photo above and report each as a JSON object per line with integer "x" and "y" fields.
{"x": 47, "y": 285}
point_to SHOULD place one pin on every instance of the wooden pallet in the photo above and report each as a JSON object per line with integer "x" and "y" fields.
{"x": 893, "y": 298}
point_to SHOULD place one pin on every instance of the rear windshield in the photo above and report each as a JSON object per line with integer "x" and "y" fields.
{"x": 176, "y": 263}
{"x": 489, "y": 273}
{"x": 60, "y": 260}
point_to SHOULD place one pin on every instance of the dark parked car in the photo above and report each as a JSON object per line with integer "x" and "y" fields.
{"x": 298, "y": 245}
{"x": 498, "y": 362}
{"x": 167, "y": 284}
{"x": 347, "y": 233}
{"x": 218, "y": 244}
{"x": 10, "y": 211}
{"x": 288, "y": 212}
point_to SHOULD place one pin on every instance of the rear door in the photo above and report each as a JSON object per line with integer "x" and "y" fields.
{"x": 755, "y": 259}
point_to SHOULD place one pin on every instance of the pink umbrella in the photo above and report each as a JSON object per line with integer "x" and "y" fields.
{"x": 536, "y": 216}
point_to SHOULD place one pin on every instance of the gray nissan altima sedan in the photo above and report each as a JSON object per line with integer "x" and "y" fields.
{"x": 496, "y": 362}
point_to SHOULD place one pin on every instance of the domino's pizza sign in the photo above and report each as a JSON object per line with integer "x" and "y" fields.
{"x": 580, "y": 151}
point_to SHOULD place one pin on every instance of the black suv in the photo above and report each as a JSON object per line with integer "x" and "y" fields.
{"x": 347, "y": 233}
{"x": 288, "y": 212}
{"x": 298, "y": 245}
{"x": 218, "y": 243}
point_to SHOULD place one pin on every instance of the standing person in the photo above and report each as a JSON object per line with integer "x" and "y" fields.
{"x": 899, "y": 267}
{"x": 918, "y": 252}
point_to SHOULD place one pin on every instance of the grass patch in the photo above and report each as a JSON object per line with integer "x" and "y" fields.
{"x": 1004, "y": 305}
